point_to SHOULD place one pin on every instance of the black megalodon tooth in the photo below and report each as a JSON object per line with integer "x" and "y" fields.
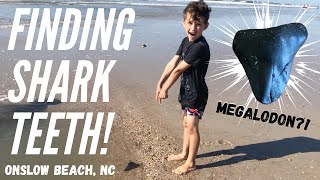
{"x": 267, "y": 55}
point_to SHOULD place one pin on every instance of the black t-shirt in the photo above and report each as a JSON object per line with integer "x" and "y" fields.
{"x": 193, "y": 88}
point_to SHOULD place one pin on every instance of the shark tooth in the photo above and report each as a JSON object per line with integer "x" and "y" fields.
{"x": 267, "y": 56}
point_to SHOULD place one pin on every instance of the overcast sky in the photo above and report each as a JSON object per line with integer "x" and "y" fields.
{"x": 314, "y": 2}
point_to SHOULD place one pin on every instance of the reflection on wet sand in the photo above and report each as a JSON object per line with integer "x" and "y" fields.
{"x": 29, "y": 107}
{"x": 8, "y": 124}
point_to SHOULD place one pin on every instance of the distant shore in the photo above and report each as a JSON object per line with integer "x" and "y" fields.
{"x": 168, "y": 3}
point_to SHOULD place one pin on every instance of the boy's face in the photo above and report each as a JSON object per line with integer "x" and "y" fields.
{"x": 194, "y": 28}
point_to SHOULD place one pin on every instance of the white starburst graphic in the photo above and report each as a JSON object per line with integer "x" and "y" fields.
{"x": 263, "y": 19}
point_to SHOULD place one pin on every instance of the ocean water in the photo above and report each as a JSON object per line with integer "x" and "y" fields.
{"x": 149, "y": 7}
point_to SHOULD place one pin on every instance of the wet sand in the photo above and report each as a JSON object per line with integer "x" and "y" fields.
{"x": 145, "y": 133}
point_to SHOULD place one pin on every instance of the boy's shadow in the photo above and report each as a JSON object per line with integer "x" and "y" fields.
{"x": 263, "y": 151}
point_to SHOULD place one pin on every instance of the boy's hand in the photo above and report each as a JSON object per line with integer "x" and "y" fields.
{"x": 157, "y": 92}
{"x": 162, "y": 95}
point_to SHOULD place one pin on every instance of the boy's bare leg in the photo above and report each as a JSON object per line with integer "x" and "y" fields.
{"x": 194, "y": 135}
{"x": 185, "y": 147}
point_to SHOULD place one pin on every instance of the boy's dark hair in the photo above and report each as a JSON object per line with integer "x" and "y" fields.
{"x": 197, "y": 9}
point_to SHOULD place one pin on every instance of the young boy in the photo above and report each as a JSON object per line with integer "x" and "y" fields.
{"x": 191, "y": 60}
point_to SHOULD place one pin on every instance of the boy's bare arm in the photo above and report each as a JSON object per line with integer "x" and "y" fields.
{"x": 167, "y": 71}
{"x": 174, "y": 75}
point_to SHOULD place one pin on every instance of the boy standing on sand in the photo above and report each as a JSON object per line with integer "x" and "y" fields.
{"x": 190, "y": 61}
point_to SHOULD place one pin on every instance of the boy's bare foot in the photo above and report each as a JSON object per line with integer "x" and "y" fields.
{"x": 184, "y": 169}
{"x": 177, "y": 157}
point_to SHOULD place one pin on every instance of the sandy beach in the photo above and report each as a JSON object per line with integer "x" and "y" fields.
{"x": 144, "y": 132}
